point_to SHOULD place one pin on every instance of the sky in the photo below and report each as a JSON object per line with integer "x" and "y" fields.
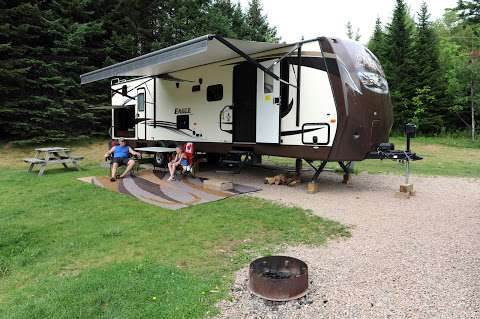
{"x": 312, "y": 18}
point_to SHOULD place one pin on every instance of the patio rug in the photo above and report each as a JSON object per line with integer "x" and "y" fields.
{"x": 153, "y": 188}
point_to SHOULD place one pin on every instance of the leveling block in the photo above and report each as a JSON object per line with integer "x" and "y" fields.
{"x": 312, "y": 187}
{"x": 406, "y": 190}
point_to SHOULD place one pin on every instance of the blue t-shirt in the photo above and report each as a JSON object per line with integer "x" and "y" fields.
{"x": 121, "y": 151}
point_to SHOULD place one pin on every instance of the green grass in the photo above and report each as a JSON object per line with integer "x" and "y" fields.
{"x": 72, "y": 250}
{"x": 442, "y": 156}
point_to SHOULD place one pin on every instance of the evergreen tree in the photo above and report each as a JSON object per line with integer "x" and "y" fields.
{"x": 30, "y": 75}
{"x": 226, "y": 19}
{"x": 469, "y": 16}
{"x": 377, "y": 42}
{"x": 426, "y": 51}
{"x": 399, "y": 63}
{"x": 349, "y": 30}
{"x": 350, "y": 34}
{"x": 469, "y": 10}
{"x": 427, "y": 77}
{"x": 257, "y": 27}
{"x": 239, "y": 24}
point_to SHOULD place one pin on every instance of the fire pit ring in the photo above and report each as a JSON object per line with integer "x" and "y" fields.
{"x": 278, "y": 278}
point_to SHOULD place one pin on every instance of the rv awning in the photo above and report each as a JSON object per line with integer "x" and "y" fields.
{"x": 199, "y": 51}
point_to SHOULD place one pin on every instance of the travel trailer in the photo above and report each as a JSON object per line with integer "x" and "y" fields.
{"x": 322, "y": 99}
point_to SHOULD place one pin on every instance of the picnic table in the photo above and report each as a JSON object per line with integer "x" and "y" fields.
{"x": 52, "y": 155}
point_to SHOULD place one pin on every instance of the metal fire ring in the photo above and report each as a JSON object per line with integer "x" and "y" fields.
{"x": 278, "y": 278}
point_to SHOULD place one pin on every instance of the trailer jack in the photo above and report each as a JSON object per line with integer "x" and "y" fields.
{"x": 317, "y": 170}
{"x": 347, "y": 168}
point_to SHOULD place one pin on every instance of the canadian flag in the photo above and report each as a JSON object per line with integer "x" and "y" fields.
{"x": 189, "y": 148}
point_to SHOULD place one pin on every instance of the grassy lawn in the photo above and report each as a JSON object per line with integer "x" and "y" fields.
{"x": 72, "y": 250}
{"x": 447, "y": 156}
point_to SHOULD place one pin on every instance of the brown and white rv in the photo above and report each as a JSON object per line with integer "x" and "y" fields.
{"x": 322, "y": 99}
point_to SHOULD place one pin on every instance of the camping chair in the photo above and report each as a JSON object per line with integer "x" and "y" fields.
{"x": 188, "y": 164}
{"x": 120, "y": 168}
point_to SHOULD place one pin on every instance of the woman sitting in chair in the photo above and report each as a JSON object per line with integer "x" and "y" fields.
{"x": 173, "y": 164}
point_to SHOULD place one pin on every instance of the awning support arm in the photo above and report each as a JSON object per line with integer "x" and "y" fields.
{"x": 285, "y": 55}
{"x": 120, "y": 92}
{"x": 133, "y": 98}
{"x": 249, "y": 59}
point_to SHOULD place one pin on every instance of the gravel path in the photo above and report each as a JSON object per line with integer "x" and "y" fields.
{"x": 415, "y": 257}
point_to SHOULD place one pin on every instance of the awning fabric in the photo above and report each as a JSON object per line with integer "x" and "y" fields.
{"x": 203, "y": 50}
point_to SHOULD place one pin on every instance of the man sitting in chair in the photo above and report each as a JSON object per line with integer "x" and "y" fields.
{"x": 121, "y": 156}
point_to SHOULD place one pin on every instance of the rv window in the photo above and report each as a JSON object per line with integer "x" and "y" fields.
{"x": 267, "y": 82}
{"x": 141, "y": 102}
{"x": 214, "y": 92}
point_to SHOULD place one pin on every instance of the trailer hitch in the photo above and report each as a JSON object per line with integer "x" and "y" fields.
{"x": 387, "y": 151}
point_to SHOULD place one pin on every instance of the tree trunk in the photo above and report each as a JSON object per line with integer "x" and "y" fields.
{"x": 472, "y": 109}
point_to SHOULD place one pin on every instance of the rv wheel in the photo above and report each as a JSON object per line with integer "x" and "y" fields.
{"x": 160, "y": 160}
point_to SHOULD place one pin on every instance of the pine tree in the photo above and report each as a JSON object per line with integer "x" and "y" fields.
{"x": 358, "y": 36}
{"x": 350, "y": 34}
{"x": 377, "y": 42}
{"x": 29, "y": 71}
{"x": 399, "y": 63}
{"x": 427, "y": 77}
{"x": 469, "y": 10}
{"x": 426, "y": 50}
{"x": 349, "y": 30}
{"x": 258, "y": 28}
{"x": 469, "y": 14}
{"x": 239, "y": 24}
{"x": 226, "y": 19}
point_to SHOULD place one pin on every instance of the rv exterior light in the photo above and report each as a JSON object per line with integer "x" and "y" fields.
{"x": 374, "y": 82}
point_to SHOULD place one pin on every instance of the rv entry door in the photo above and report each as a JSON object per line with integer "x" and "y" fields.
{"x": 268, "y": 105}
{"x": 140, "y": 118}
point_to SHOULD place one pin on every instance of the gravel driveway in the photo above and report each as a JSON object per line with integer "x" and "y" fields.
{"x": 407, "y": 258}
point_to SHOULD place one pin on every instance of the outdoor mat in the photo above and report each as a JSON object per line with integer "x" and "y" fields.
{"x": 153, "y": 188}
